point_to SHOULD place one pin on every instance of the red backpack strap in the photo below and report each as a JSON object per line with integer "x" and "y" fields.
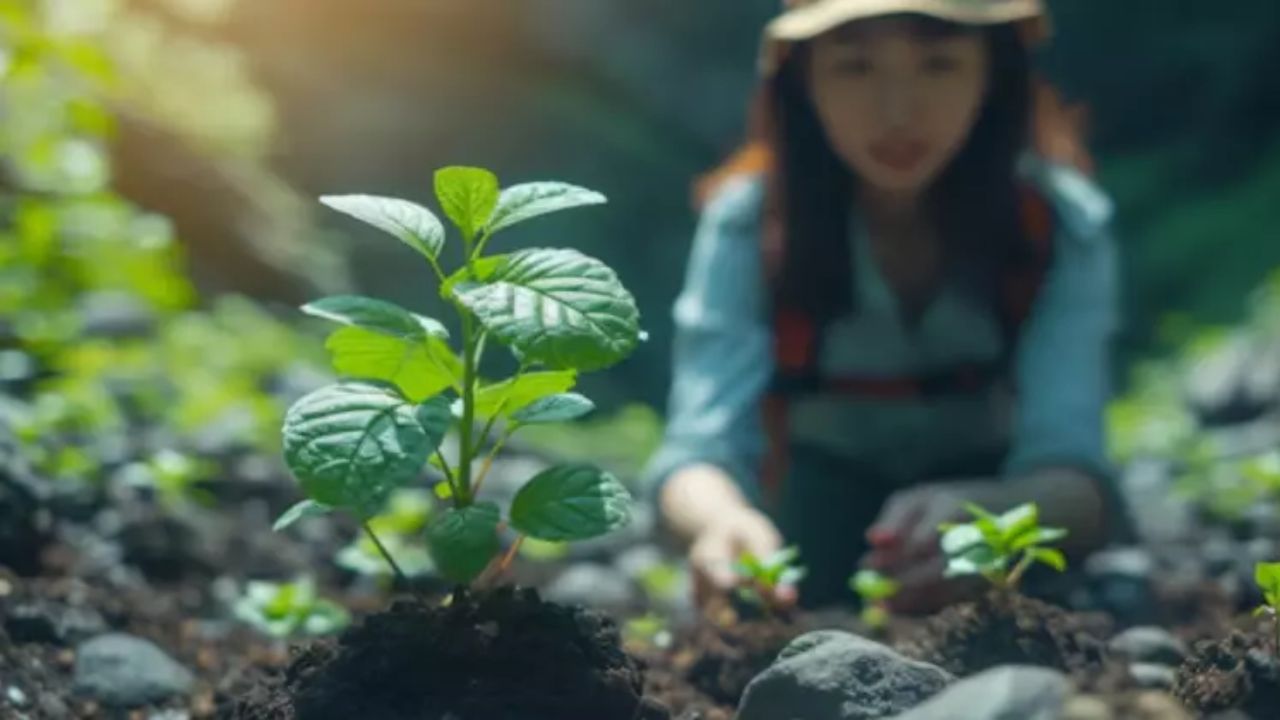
{"x": 1023, "y": 281}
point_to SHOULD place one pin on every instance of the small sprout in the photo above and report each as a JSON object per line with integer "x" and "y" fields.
{"x": 648, "y": 631}
{"x": 1267, "y": 575}
{"x": 875, "y": 590}
{"x": 289, "y": 610}
{"x": 1001, "y": 548}
{"x": 763, "y": 577}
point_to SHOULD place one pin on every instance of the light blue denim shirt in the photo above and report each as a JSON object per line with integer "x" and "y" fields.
{"x": 723, "y": 352}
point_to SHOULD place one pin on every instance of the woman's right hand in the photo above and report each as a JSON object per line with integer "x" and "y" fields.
{"x": 704, "y": 506}
{"x": 715, "y": 550}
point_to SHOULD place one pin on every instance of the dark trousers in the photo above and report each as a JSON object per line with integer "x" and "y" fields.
{"x": 827, "y": 503}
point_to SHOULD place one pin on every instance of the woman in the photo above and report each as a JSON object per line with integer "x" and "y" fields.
{"x": 895, "y": 304}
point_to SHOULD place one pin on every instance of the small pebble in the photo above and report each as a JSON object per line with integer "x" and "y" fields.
{"x": 1159, "y": 706}
{"x": 16, "y": 696}
{"x": 1087, "y": 707}
{"x": 1151, "y": 676}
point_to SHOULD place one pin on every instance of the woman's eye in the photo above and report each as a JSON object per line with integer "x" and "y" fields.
{"x": 940, "y": 64}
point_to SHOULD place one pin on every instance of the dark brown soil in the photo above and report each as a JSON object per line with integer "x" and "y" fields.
{"x": 504, "y": 655}
{"x": 1241, "y": 672}
{"x": 704, "y": 675}
{"x": 1005, "y": 629}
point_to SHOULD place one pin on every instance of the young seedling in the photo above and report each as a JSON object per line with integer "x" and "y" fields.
{"x": 289, "y": 610}
{"x": 1001, "y": 548}
{"x": 559, "y": 312}
{"x": 1267, "y": 576}
{"x": 762, "y": 578}
{"x": 875, "y": 590}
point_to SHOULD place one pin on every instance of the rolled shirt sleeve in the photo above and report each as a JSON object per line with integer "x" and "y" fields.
{"x": 722, "y": 357}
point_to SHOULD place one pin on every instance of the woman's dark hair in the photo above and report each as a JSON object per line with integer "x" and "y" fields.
{"x": 976, "y": 199}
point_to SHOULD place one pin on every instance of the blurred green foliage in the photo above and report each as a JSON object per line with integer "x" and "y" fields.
{"x": 99, "y": 326}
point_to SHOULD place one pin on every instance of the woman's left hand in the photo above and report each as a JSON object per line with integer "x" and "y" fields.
{"x": 904, "y": 541}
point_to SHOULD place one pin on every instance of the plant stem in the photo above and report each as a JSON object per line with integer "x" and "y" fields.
{"x": 463, "y": 491}
{"x": 448, "y": 472}
{"x": 510, "y": 555}
{"x": 479, "y": 248}
{"x": 488, "y": 461}
{"x": 400, "y": 576}
{"x": 1012, "y": 581}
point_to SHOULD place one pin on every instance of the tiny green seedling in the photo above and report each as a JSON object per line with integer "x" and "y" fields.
{"x": 289, "y": 610}
{"x": 763, "y": 577}
{"x": 353, "y": 443}
{"x": 1001, "y": 548}
{"x": 1267, "y": 576}
{"x": 875, "y": 590}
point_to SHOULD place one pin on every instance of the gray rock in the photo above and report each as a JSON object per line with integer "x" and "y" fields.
{"x": 1120, "y": 580}
{"x": 591, "y": 585}
{"x": 1153, "y": 676}
{"x": 830, "y": 675}
{"x": 1148, "y": 644}
{"x": 1011, "y": 692}
{"x": 635, "y": 562}
{"x": 52, "y": 623}
{"x": 125, "y": 671}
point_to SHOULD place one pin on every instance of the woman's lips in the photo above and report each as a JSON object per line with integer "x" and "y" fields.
{"x": 899, "y": 155}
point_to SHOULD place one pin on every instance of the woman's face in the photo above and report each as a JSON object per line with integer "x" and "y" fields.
{"x": 896, "y": 104}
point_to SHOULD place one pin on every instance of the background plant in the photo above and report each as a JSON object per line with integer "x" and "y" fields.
{"x": 1001, "y": 548}
{"x": 286, "y": 610}
{"x": 353, "y": 443}
{"x": 875, "y": 589}
{"x": 764, "y": 577}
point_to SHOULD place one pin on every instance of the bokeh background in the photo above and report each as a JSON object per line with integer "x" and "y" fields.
{"x": 167, "y": 153}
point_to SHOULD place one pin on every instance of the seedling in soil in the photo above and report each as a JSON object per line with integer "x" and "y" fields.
{"x": 875, "y": 590}
{"x": 352, "y": 444}
{"x": 289, "y": 610}
{"x": 1001, "y": 548}
{"x": 1267, "y": 576}
{"x": 762, "y": 578}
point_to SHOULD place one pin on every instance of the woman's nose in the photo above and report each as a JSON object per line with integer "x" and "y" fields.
{"x": 897, "y": 104}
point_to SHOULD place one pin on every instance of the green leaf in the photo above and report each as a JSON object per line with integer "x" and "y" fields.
{"x": 750, "y": 566}
{"x": 463, "y": 541}
{"x": 304, "y": 509}
{"x": 420, "y": 368}
{"x": 558, "y": 307}
{"x": 519, "y": 392}
{"x": 957, "y": 539}
{"x": 413, "y": 224}
{"x": 1037, "y": 536}
{"x": 791, "y": 576}
{"x": 352, "y": 444}
{"x": 1267, "y": 575}
{"x": 977, "y": 560}
{"x": 468, "y": 196}
{"x": 480, "y": 271}
{"x": 1051, "y": 557}
{"x": 1018, "y": 520}
{"x": 872, "y": 586}
{"x": 571, "y": 502}
{"x": 560, "y": 407}
{"x": 377, "y": 315}
{"x": 526, "y": 201}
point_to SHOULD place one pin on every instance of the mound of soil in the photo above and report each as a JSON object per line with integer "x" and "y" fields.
{"x": 504, "y": 655}
{"x": 1240, "y": 672}
{"x": 1004, "y": 629}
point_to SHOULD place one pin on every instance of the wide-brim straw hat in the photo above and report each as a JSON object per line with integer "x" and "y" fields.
{"x": 805, "y": 19}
